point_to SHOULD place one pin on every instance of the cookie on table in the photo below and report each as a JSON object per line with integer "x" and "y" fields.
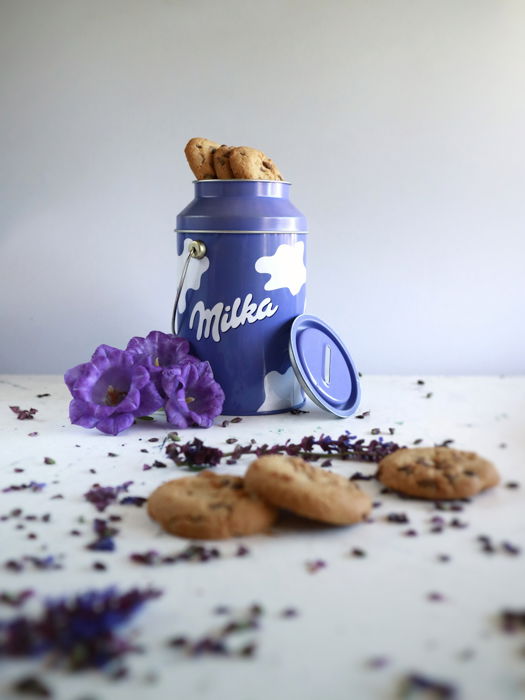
{"x": 437, "y": 473}
{"x": 209, "y": 507}
{"x": 221, "y": 162}
{"x": 292, "y": 483}
{"x": 199, "y": 154}
{"x": 250, "y": 164}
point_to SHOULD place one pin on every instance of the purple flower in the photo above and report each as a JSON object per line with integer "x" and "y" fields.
{"x": 159, "y": 350}
{"x": 110, "y": 391}
{"x": 193, "y": 396}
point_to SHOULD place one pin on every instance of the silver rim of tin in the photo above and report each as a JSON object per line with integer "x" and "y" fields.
{"x": 179, "y": 230}
{"x": 239, "y": 179}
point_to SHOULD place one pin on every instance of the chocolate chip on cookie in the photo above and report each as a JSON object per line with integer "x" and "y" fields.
{"x": 250, "y": 164}
{"x": 437, "y": 473}
{"x": 210, "y": 507}
{"x": 199, "y": 153}
{"x": 221, "y": 162}
{"x": 292, "y": 483}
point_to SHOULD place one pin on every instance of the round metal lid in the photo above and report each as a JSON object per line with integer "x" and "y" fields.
{"x": 323, "y": 366}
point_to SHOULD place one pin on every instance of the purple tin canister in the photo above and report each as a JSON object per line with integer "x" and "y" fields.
{"x": 243, "y": 247}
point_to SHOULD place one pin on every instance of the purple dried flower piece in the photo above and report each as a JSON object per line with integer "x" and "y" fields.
{"x": 363, "y": 415}
{"x": 110, "y": 391}
{"x": 435, "y": 597}
{"x": 307, "y": 443}
{"x": 242, "y": 551}
{"x": 221, "y": 610}
{"x": 248, "y": 650}
{"x": 31, "y": 486}
{"x": 15, "y": 600}
{"x": 193, "y": 395}
{"x": 103, "y": 496}
{"x": 314, "y": 566}
{"x": 194, "y": 454}
{"x": 512, "y": 620}
{"x": 149, "y": 558}
{"x": 31, "y": 685}
{"x": 79, "y": 630}
{"x": 24, "y": 414}
{"x": 179, "y": 641}
{"x": 401, "y": 518}
{"x": 441, "y": 690}
{"x": 456, "y": 522}
{"x": 378, "y": 662}
{"x": 105, "y": 534}
{"x": 486, "y": 544}
{"x": 510, "y": 548}
{"x": 326, "y": 443}
{"x": 359, "y": 476}
{"x": 42, "y": 563}
{"x": 133, "y": 501}
{"x": 103, "y": 544}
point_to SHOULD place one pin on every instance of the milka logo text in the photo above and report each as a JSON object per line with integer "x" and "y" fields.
{"x": 220, "y": 318}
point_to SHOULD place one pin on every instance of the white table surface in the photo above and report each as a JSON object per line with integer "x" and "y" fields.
{"x": 350, "y": 612}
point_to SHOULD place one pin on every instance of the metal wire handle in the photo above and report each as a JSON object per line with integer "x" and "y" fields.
{"x": 196, "y": 250}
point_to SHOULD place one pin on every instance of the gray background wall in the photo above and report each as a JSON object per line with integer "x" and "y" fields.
{"x": 399, "y": 122}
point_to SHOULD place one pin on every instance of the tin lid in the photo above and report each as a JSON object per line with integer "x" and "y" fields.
{"x": 323, "y": 366}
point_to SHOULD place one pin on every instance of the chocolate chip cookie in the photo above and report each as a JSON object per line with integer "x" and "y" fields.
{"x": 209, "y": 506}
{"x": 437, "y": 473}
{"x": 199, "y": 153}
{"x": 292, "y": 483}
{"x": 221, "y": 162}
{"x": 250, "y": 164}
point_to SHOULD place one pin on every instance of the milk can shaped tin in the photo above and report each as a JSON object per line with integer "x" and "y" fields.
{"x": 238, "y": 301}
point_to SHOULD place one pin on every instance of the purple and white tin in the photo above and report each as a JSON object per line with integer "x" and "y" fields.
{"x": 239, "y": 300}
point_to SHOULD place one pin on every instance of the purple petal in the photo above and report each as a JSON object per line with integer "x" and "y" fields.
{"x": 80, "y": 414}
{"x": 115, "y": 424}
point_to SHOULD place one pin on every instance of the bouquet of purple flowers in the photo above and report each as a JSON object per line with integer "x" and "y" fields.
{"x": 118, "y": 386}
